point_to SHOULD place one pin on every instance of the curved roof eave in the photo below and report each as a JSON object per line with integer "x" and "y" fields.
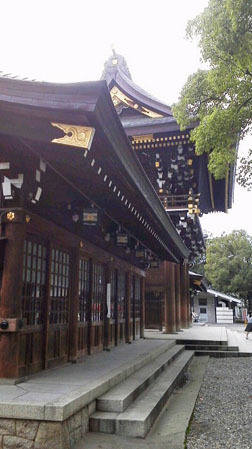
{"x": 139, "y": 95}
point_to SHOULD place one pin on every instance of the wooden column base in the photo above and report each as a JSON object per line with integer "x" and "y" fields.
{"x": 9, "y": 344}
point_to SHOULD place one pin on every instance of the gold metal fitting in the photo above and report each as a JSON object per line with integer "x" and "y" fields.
{"x": 10, "y": 216}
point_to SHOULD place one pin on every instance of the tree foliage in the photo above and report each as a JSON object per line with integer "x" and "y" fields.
{"x": 219, "y": 99}
{"x": 229, "y": 264}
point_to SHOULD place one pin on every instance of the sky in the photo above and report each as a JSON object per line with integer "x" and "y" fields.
{"x": 62, "y": 41}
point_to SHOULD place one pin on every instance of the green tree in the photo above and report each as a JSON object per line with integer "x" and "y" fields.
{"x": 229, "y": 264}
{"x": 219, "y": 99}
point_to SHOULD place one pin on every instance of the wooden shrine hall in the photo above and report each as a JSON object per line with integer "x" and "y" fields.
{"x": 182, "y": 182}
{"x": 80, "y": 224}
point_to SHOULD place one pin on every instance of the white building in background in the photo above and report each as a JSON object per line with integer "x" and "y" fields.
{"x": 215, "y": 307}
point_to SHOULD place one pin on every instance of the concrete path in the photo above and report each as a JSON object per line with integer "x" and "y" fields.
{"x": 170, "y": 428}
{"x": 235, "y": 335}
{"x": 237, "y": 338}
{"x": 196, "y": 332}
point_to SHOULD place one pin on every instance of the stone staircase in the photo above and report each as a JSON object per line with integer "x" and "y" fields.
{"x": 228, "y": 348}
{"x": 131, "y": 407}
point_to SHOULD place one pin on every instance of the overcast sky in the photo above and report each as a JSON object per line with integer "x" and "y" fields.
{"x": 67, "y": 41}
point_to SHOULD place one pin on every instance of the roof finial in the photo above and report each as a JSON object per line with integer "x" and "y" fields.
{"x": 115, "y": 62}
{"x": 114, "y": 57}
{"x": 112, "y": 46}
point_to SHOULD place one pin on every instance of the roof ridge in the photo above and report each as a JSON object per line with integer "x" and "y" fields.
{"x": 17, "y": 77}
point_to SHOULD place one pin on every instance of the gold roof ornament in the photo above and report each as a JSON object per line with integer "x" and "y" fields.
{"x": 76, "y": 136}
{"x": 119, "y": 97}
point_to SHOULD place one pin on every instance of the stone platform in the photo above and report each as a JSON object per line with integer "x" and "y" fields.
{"x": 51, "y": 409}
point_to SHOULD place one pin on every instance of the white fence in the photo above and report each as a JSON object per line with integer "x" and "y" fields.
{"x": 224, "y": 315}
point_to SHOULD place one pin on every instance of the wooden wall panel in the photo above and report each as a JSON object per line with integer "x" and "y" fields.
{"x": 59, "y": 335}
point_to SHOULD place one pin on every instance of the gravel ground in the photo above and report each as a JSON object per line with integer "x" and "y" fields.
{"x": 223, "y": 413}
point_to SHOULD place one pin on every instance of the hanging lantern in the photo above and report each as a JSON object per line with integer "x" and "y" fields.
{"x": 90, "y": 217}
{"x": 141, "y": 253}
{"x": 122, "y": 239}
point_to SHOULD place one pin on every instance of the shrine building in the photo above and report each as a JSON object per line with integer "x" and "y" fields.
{"x": 80, "y": 224}
{"x": 181, "y": 179}
{"x": 101, "y": 195}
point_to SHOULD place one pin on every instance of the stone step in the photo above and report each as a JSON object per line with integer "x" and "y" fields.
{"x": 232, "y": 341}
{"x": 202, "y": 342}
{"x": 195, "y": 347}
{"x": 121, "y": 396}
{"x": 139, "y": 417}
{"x": 222, "y": 354}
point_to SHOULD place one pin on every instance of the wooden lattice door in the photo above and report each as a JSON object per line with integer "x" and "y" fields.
{"x": 59, "y": 296}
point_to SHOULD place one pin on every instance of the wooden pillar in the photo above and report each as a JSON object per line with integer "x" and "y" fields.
{"x": 74, "y": 305}
{"x": 116, "y": 309}
{"x": 133, "y": 308}
{"x": 127, "y": 308}
{"x": 89, "y": 306}
{"x": 178, "y": 296}
{"x": 184, "y": 308}
{"x": 106, "y": 320}
{"x": 169, "y": 298}
{"x": 142, "y": 308}
{"x": 11, "y": 296}
{"x": 188, "y": 297}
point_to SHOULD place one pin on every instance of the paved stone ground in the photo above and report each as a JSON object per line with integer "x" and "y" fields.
{"x": 238, "y": 327}
{"x": 197, "y": 331}
{"x": 223, "y": 413}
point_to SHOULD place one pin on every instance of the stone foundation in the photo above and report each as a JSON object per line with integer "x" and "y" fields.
{"x": 28, "y": 434}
